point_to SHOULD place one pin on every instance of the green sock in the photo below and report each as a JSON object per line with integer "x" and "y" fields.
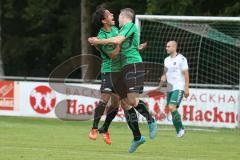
{"x": 177, "y": 122}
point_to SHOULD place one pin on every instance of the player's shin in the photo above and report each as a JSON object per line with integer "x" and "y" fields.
{"x": 112, "y": 112}
{"x": 142, "y": 109}
{"x": 177, "y": 122}
{"x": 98, "y": 113}
{"x": 132, "y": 121}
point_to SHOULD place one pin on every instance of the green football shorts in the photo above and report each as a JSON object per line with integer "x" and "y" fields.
{"x": 175, "y": 97}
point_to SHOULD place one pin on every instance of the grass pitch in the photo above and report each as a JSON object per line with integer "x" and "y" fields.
{"x": 52, "y": 139}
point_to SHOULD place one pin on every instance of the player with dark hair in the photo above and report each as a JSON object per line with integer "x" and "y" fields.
{"x": 110, "y": 73}
{"x": 132, "y": 71}
{"x": 110, "y": 69}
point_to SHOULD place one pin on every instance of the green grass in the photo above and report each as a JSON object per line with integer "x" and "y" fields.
{"x": 51, "y": 139}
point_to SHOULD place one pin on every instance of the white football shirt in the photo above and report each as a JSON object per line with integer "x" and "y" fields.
{"x": 175, "y": 67}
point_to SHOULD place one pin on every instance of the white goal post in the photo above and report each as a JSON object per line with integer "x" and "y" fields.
{"x": 211, "y": 45}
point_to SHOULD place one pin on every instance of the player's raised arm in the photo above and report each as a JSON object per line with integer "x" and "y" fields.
{"x": 125, "y": 32}
{"x": 116, "y": 40}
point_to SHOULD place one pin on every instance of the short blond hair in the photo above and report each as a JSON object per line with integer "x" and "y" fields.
{"x": 174, "y": 43}
{"x": 128, "y": 12}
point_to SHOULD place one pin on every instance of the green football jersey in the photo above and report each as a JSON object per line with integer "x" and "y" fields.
{"x": 108, "y": 64}
{"x": 129, "y": 48}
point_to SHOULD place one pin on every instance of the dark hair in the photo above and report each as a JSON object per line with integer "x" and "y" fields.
{"x": 98, "y": 16}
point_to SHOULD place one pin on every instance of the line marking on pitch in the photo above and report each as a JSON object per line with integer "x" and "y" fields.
{"x": 189, "y": 129}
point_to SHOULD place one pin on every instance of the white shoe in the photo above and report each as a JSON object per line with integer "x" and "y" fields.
{"x": 181, "y": 133}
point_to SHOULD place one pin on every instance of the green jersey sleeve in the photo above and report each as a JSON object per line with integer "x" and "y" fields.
{"x": 127, "y": 30}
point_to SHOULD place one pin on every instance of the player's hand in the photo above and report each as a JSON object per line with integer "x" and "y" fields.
{"x": 161, "y": 83}
{"x": 162, "y": 80}
{"x": 92, "y": 40}
{"x": 115, "y": 52}
{"x": 142, "y": 46}
{"x": 186, "y": 92}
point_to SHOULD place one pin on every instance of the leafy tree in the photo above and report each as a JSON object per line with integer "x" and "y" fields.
{"x": 194, "y": 8}
{"x": 38, "y": 35}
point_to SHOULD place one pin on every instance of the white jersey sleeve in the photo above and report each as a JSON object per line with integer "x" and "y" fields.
{"x": 184, "y": 64}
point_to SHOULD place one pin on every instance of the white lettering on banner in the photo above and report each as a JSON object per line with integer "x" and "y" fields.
{"x": 6, "y": 102}
{"x": 5, "y": 89}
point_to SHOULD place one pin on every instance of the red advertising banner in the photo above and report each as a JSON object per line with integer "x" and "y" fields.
{"x": 7, "y": 95}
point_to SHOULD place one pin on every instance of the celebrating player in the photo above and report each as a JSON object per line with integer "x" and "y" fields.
{"x": 176, "y": 74}
{"x": 110, "y": 69}
{"x": 110, "y": 73}
{"x": 133, "y": 74}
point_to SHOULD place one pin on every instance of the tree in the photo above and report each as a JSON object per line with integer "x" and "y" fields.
{"x": 1, "y": 65}
{"x": 194, "y": 8}
{"x": 39, "y": 35}
{"x": 85, "y": 33}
